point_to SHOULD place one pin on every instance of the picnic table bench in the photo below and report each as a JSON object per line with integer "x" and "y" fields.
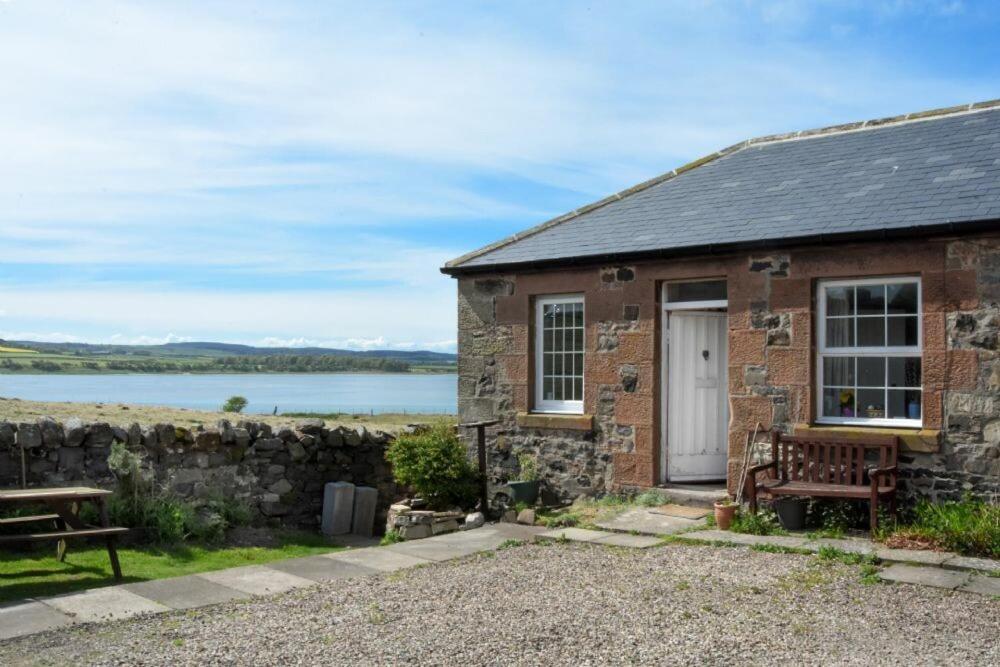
{"x": 64, "y": 504}
{"x": 829, "y": 467}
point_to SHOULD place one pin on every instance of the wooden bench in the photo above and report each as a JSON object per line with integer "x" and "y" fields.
{"x": 65, "y": 505}
{"x": 829, "y": 467}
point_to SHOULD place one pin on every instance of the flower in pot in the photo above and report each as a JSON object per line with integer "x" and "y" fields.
{"x": 725, "y": 510}
{"x": 525, "y": 488}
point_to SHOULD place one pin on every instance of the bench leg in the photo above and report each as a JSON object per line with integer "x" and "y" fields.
{"x": 874, "y": 513}
{"x": 110, "y": 540}
{"x": 61, "y": 546}
{"x": 751, "y": 493}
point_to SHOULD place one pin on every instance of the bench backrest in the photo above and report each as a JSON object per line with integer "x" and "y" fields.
{"x": 831, "y": 460}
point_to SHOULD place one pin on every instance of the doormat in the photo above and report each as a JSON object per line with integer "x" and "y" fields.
{"x": 682, "y": 511}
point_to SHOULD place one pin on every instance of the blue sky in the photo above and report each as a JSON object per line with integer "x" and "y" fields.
{"x": 296, "y": 173}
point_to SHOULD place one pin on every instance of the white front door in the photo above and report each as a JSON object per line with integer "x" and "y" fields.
{"x": 697, "y": 412}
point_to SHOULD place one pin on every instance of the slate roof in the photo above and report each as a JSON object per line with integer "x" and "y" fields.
{"x": 905, "y": 175}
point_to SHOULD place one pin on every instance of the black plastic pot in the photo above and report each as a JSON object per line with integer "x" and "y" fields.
{"x": 791, "y": 512}
{"x": 524, "y": 492}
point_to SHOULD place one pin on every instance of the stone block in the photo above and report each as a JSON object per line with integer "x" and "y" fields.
{"x": 924, "y": 576}
{"x": 338, "y": 508}
{"x": 415, "y": 531}
{"x": 440, "y": 527}
{"x": 363, "y": 518}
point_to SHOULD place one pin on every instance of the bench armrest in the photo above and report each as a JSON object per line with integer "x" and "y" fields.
{"x": 875, "y": 473}
{"x": 752, "y": 472}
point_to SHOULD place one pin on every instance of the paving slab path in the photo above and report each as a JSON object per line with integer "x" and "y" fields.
{"x": 938, "y": 569}
{"x": 208, "y": 588}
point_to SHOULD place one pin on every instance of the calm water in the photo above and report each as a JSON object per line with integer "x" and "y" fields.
{"x": 307, "y": 392}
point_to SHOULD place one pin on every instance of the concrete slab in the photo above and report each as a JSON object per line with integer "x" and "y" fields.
{"x": 363, "y": 519}
{"x": 982, "y": 585}
{"x": 912, "y": 556}
{"x": 185, "y": 592}
{"x": 27, "y": 618}
{"x": 256, "y": 580}
{"x": 104, "y": 604}
{"x": 986, "y": 565}
{"x": 574, "y": 534}
{"x": 377, "y": 558}
{"x": 438, "y": 550}
{"x": 320, "y": 568}
{"x": 715, "y": 536}
{"x": 783, "y": 541}
{"x": 338, "y": 508}
{"x": 863, "y": 547}
{"x": 924, "y": 576}
{"x": 648, "y": 522}
{"x": 630, "y": 541}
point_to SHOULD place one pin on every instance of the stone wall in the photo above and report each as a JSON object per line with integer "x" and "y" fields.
{"x": 280, "y": 473}
{"x": 771, "y": 361}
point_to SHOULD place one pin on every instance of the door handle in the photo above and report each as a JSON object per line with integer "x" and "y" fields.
{"x": 704, "y": 354}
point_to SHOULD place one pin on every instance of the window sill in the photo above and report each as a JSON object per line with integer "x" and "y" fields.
{"x": 549, "y": 420}
{"x": 916, "y": 439}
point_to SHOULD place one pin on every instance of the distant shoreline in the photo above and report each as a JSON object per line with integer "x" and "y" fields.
{"x": 77, "y": 371}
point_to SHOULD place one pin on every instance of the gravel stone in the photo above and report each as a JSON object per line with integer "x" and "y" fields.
{"x": 561, "y": 604}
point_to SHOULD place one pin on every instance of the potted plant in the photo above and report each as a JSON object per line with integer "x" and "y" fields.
{"x": 525, "y": 488}
{"x": 725, "y": 510}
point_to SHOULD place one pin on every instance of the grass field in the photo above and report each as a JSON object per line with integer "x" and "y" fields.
{"x": 39, "y": 573}
{"x": 15, "y": 351}
{"x": 17, "y": 410}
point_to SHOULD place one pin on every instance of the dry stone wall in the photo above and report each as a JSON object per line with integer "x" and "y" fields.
{"x": 280, "y": 473}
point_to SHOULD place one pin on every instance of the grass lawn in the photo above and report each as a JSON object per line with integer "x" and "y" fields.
{"x": 38, "y": 573}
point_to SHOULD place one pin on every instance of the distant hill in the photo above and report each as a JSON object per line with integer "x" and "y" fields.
{"x": 208, "y": 349}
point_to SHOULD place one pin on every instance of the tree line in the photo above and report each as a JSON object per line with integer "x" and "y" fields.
{"x": 279, "y": 363}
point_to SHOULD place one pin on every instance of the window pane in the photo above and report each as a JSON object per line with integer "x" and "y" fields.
{"x": 904, "y": 372}
{"x": 557, "y": 364}
{"x": 871, "y": 372}
{"x": 547, "y": 364}
{"x": 577, "y": 364}
{"x": 902, "y": 298}
{"x": 578, "y": 340}
{"x": 903, "y": 331}
{"x": 706, "y": 290}
{"x": 840, "y": 333}
{"x": 557, "y": 339}
{"x": 547, "y": 389}
{"x": 578, "y": 315}
{"x": 838, "y": 371}
{"x": 839, "y": 300}
{"x": 904, "y": 404}
{"x": 557, "y": 389}
{"x": 578, "y": 389}
{"x": 871, "y": 403}
{"x": 838, "y": 402}
{"x": 871, "y": 331}
{"x": 871, "y": 299}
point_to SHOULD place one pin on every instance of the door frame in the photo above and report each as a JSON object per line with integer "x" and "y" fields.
{"x": 665, "y": 310}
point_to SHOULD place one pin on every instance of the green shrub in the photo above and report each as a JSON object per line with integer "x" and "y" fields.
{"x": 435, "y": 464}
{"x": 529, "y": 467}
{"x": 391, "y": 537}
{"x": 969, "y": 527}
{"x": 234, "y": 404}
{"x": 764, "y": 522}
{"x": 561, "y": 520}
{"x": 162, "y": 516}
{"x": 649, "y": 499}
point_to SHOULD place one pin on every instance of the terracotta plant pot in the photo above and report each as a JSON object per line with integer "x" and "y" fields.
{"x": 724, "y": 515}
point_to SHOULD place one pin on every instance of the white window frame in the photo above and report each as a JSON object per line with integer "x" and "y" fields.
{"x": 879, "y": 352}
{"x": 558, "y": 407}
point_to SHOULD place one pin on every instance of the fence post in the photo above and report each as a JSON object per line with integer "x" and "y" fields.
{"x": 484, "y": 501}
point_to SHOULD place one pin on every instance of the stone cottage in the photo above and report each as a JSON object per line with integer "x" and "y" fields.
{"x": 844, "y": 279}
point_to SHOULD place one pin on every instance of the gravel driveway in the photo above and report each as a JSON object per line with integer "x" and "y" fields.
{"x": 562, "y": 604}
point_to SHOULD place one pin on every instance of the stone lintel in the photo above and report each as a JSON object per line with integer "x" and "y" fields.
{"x": 920, "y": 440}
{"x": 555, "y": 421}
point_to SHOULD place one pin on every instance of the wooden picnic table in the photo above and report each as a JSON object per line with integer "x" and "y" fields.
{"x": 65, "y": 503}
